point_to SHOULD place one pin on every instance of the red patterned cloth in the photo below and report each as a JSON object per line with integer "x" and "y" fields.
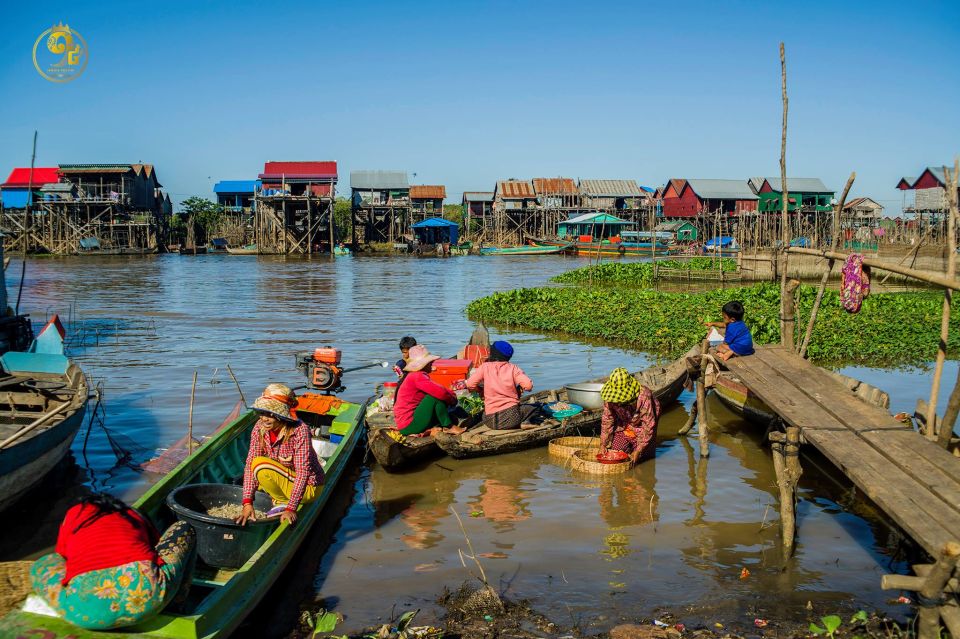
{"x": 293, "y": 451}
{"x": 631, "y": 427}
{"x": 855, "y": 284}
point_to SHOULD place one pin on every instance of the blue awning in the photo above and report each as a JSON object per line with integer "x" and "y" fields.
{"x": 435, "y": 222}
{"x": 720, "y": 241}
{"x": 236, "y": 186}
{"x": 15, "y": 198}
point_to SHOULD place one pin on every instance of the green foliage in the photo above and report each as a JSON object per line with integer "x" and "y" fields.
{"x": 206, "y": 215}
{"x": 830, "y": 625}
{"x": 454, "y": 213}
{"x": 341, "y": 218}
{"x": 471, "y": 403}
{"x": 891, "y": 328}
{"x": 640, "y": 273}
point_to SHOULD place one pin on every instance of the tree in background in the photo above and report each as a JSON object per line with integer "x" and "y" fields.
{"x": 203, "y": 214}
{"x": 455, "y": 213}
{"x": 341, "y": 218}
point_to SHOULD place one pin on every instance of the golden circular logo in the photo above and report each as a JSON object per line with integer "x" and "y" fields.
{"x": 63, "y": 56}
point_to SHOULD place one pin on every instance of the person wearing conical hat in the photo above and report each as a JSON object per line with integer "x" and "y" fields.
{"x": 629, "y": 420}
{"x": 422, "y": 405}
{"x": 281, "y": 460}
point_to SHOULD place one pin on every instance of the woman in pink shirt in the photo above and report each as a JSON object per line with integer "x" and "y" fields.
{"x": 421, "y": 404}
{"x": 502, "y": 384}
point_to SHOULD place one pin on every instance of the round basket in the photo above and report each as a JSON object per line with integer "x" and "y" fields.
{"x": 585, "y": 461}
{"x": 14, "y": 584}
{"x": 563, "y": 447}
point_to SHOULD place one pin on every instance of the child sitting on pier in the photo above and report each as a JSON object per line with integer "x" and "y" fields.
{"x": 405, "y": 345}
{"x": 737, "y": 340}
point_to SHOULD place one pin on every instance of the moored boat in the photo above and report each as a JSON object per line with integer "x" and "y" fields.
{"x": 46, "y": 399}
{"x": 249, "y": 249}
{"x": 220, "y": 598}
{"x": 530, "y": 249}
{"x": 610, "y": 249}
{"x": 666, "y": 383}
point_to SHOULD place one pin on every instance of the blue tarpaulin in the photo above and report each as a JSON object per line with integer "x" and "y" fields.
{"x": 801, "y": 242}
{"x": 14, "y": 198}
{"x": 436, "y": 230}
{"x": 722, "y": 241}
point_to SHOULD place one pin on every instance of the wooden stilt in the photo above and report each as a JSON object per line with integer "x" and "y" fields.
{"x": 702, "y": 426}
{"x": 786, "y": 464}
{"x": 930, "y": 597}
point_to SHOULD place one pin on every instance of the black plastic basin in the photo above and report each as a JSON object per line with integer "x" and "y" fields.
{"x": 221, "y": 543}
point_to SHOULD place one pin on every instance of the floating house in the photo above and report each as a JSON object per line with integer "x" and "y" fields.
{"x": 15, "y": 192}
{"x": 930, "y": 194}
{"x": 514, "y": 195}
{"x": 380, "y": 202}
{"x": 427, "y": 200}
{"x": 118, "y": 208}
{"x": 478, "y": 213}
{"x": 805, "y": 195}
{"x": 678, "y": 231}
{"x": 293, "y": 208}
{"x": 691, "y": 197}
{"x": 590, "y": 227}
{"x": 236, "y": 195}
{"x": 436, "y": 230}
{"x": 611, "y": 195}
{"x": 556, "y": 193}
{"x": 863, "y": 210}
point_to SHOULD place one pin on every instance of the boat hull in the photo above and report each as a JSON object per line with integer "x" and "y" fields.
{"x": 609, "y": 250}
{"x": 665, "y": 383}
{"x": 392, "y": 455}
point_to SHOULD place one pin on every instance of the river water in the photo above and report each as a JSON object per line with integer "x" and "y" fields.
{"x": 674, "y": 533}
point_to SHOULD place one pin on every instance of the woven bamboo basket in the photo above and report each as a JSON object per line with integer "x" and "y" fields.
{"x": 563, "y": 447}
{"x": 585, "y": 461}
{"x": 14, "y": 584}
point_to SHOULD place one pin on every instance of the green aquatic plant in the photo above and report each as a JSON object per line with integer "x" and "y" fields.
{"x": 831, "y": 623}
{"x": 640, "y": 273}
{"x": 891, "y": 328}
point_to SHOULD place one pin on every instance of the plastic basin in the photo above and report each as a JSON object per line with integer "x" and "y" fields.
{"x": 221, "y": 543}
{"x": 586, "y": 395}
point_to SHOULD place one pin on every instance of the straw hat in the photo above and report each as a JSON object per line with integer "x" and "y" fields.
{"x": 620, "y": 387}
{"x": 419, "y": 357}
{"x": 278, "y": 401}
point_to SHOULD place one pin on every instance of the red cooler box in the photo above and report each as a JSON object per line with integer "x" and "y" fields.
{"x": 447, "y": 371}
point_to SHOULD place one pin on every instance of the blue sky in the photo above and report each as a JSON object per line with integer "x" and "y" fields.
{"x": 465, "y": 93}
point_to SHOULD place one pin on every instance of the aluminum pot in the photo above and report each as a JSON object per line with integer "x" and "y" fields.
{"x": 586, "y": 395}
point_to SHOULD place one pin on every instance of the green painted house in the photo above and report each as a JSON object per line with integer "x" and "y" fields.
{"x": 807, "y": 195}
{"x": 597, "y": 225}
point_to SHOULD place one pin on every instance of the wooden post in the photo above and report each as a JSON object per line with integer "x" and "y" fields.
{"x": 786, "y": 304}
{"x": 951, "y": 184}
{"x": 823, "y": 280}
{"x": 930, "y": 596}
{"x": 788, "y": 309}
{"x": 193, "y": 392}
{"x": 702, "y": 426}
{"x": 786, "y": 464}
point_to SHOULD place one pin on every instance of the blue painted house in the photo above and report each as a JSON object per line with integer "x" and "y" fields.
{"x": 236, "y": 195}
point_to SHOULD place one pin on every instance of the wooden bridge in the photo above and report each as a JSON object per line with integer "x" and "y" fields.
{"x": 913, "y": 480}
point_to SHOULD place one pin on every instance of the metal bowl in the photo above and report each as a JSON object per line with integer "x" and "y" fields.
{"x": 586, "y": 395}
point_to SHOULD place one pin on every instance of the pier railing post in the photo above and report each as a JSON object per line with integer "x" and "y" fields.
{"x": 786, "y": 464}
{"x": 930, "y": 596}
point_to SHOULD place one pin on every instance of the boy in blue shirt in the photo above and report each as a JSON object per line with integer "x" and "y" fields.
{"x": 737, "y": 340}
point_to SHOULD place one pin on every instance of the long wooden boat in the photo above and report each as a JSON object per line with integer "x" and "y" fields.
{"x": 45, "y": 402}
{"x": 665, "y": 383}
{"x": 220, "y": 599}
{"x": 398, "y": 453}
{"x": 193, "y": 250}
{"x": 249, "y": 249}
{"x": 737, "y": 397}
{"x": 531, "y": 249}
{"x": 610, "y": 249}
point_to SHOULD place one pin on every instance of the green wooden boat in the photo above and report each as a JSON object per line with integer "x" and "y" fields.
{"x": 220, "y": 599}
{"x": 532, "y": 249}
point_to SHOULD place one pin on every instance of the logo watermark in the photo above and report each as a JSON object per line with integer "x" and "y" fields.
{"x": 60, "y": 54}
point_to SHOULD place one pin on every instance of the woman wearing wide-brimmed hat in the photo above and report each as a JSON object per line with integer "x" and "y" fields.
{"x": 281, "y": 460}
{"x": 629, "y": 420}
{"x": 422, "y": 404}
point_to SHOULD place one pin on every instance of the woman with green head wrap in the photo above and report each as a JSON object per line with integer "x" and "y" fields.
{"x": 629, "y": 421}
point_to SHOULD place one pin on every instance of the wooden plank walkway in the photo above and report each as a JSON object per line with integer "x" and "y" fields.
{"x": 914, "y": 481}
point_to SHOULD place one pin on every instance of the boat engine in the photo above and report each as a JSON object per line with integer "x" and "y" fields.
{"x": 322, "y": 369}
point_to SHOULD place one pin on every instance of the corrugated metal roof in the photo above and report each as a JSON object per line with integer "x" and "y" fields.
{"x": 95, "y": 168}
{"x": 299, "y": 170}
{"x": 722, "y": 189}
{"x": 20, "y": 177}
{"x": 378, "y": 180}
{"x": 597, "y": 218}
{"x": 906, "y": 181}
{"x": 554, "y": 186}
{"x": 938, "y": 173}
{"x": 58, "y": 187}
{"x": 236, "y": 186}
{"x": 799, "y": 185}
{"x": 515, "y": 189}
{"x": 756, "y": 183}
{"x": 478, "y": 196}
{"x": 861, "y": 202}
{"x": 610, "y": 188}
{"x": 428, "y": 192}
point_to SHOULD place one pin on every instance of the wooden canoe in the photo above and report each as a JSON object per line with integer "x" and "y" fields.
{"x": 737, "y": 397}
{"x": 532, "y": 249}
{"x": 249, "y": 249}
{"x": 666, "y": 384}
{"x": 219, "y": 599}
{"x": 45, "y": 402}
{"x": 396, "y": 454}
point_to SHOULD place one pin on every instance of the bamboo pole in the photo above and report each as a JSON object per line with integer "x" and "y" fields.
{"x": 951, "y": 183}
{"x": 37, "y": 422}
{"x": 193, "y": 392}
{"x": 923, "y": 276}
{"x": 823, "y": 280}
{"x": 786, "y": 319}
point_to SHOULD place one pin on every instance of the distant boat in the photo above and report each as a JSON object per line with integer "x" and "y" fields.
{"x": 193, "y": 250}
{"x": 640, "y": 249}
{"x": 249, "y": 249}
{"x": 532, "y": 249}
{"x": 47, "y": 396}
{"x": 724, "y": 246}
{"x": 341, "y": 250}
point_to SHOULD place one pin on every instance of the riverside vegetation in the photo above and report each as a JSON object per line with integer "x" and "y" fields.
{"x": 890, "y": 329}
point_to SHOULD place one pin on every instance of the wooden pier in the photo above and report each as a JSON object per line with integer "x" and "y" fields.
{"x": 914, "y": 481}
